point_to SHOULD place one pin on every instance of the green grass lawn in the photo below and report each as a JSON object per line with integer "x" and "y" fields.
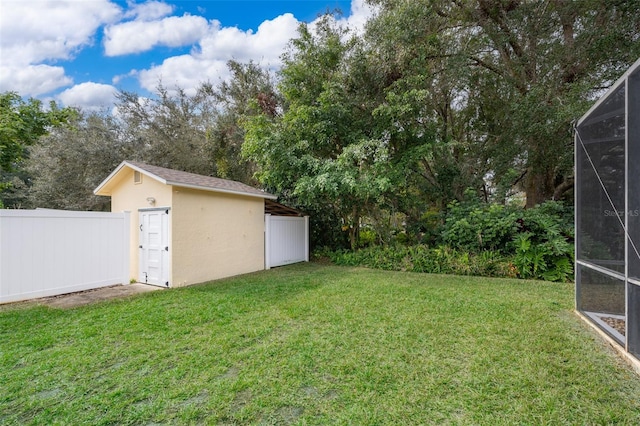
{"x": 314, "y": 344}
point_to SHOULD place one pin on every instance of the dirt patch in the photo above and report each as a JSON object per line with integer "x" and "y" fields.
{"x": 231, "y": 373}
{"x": 290, "y": 414}
{"x": 309, "y": 391}
{"x": 50, "y": 393}
{"x": 241, "y": 399}
{"x": 197, "y": 400}
{"x": 87, "y": 297}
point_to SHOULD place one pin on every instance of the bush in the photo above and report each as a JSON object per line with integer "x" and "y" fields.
{"x": 420, "y": 258}
{"x": 487, "y": 240}
{"x": 477, "y": 227}
{"x": 544, "y": 246}
{"x": 368, "y": 237}
{"x": 539, "y": 239}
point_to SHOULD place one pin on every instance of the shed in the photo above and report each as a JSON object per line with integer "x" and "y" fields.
{"x": 188, "y": 228}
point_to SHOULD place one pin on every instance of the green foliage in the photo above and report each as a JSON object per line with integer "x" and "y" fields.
{"x": 477, "y": 226}
{"x": 198, "y": 133}
{"x": 541, "y": 238}
{"x": 488, "y": 240}
{"x": 368, "y": 237}
{"x": 249, "y": 91}
{"x": 22, "y": 124}
{"x": 420, "y": 258}
{"x": 544, "y": 248}
{"x": 69, "y": 163}
{"x": 530, "y": 259}
{"x": 551, "y": 260}
{"x": 172, "y": 129}
{"x": 323, "y": 231}
{"x": 502, "y": 81}
{"x": 320, "y": 152}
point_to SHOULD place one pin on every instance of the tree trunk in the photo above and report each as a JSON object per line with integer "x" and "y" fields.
{"x": 539, "y": 186}
{"x": 354, "y": 231}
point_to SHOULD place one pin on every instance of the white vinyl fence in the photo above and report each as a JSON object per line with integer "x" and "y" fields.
{"x": 51, "y": 252}
{"x": 286, "y": 240}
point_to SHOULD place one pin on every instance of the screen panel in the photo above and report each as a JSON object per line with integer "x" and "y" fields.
{"x": 633, "y": 320}
{"x": 633, "y": 147}
{"x": 600, "y": 293}
{"x": 601, "y": 184}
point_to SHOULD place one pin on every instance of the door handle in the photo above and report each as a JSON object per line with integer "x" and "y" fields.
{"x": 140, "y": 228}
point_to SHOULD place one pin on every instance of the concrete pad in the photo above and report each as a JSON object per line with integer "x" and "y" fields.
{"x": 81, "y": 298}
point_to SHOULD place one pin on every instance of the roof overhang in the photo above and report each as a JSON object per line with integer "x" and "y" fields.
{"x": 106, "y": 186}
{"x": 277, "y": 209}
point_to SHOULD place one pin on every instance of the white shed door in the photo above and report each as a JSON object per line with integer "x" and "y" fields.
{"x": 154, "y": 247}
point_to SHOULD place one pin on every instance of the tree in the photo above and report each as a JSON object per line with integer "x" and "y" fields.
{"x": 517, "y": 72}
{"x": 320, "y": 152}
{"x": 200, "y": 133}
{"x": 22, "y": 123}
{"x": 70, "y": 162}
{"x": 197, "y": 133}
{"x": 170, "y": 130}
{"x": 249, "y": 91}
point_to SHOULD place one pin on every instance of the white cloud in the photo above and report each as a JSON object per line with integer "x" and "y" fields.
{"x": 149, "y": 11}
{"x": 185, "y": 72}
{"x": 35, "y": 33}
{"x": 266, "y": 44}
{"x": 360, "y": 14}
{"x": 32, "y": 80}
{"x": 117, "y": 79}
{"x": 89, "y": 96}
{"x": 140, "y": 36}
{"x": 32, "y": 32}
{"x": 208, "y": 62}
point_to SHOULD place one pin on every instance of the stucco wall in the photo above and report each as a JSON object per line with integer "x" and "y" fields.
{"x": 128, "y": 196}
{"x": 215, "y": 235}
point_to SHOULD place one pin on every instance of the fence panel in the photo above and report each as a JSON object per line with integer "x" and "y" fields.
{"x": 286, "y": 240}
{"x": 50, "y": 252}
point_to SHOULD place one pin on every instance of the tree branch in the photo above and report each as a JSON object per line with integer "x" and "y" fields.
{"x": 566, "y": 185}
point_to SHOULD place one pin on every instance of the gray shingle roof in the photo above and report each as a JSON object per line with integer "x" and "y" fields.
{"x": 192, "y": 180}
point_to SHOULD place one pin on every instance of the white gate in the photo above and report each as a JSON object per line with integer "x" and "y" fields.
{"x": 50, "y": 252}
{"x": 154, "y": 247}
{"x": 286, "y": 240}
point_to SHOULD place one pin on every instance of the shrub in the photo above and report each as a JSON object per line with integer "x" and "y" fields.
{"x": 368, "y": 237}
{"x": 539, "y": 239}
{"x": 420, "y": 258}
{"x": 487, "y": 240}
{"x": 477, "y": 227}
{"x": 544, "y": 246}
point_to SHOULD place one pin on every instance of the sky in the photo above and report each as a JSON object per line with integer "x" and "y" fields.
{"x": 81, "y": 52}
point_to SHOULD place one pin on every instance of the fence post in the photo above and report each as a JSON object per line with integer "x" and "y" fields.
{"x": 267, "y": 241}
{"x": 3, "y": 285}
{"x": 306, "y": 238}
{"x": 126, "y": 236}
